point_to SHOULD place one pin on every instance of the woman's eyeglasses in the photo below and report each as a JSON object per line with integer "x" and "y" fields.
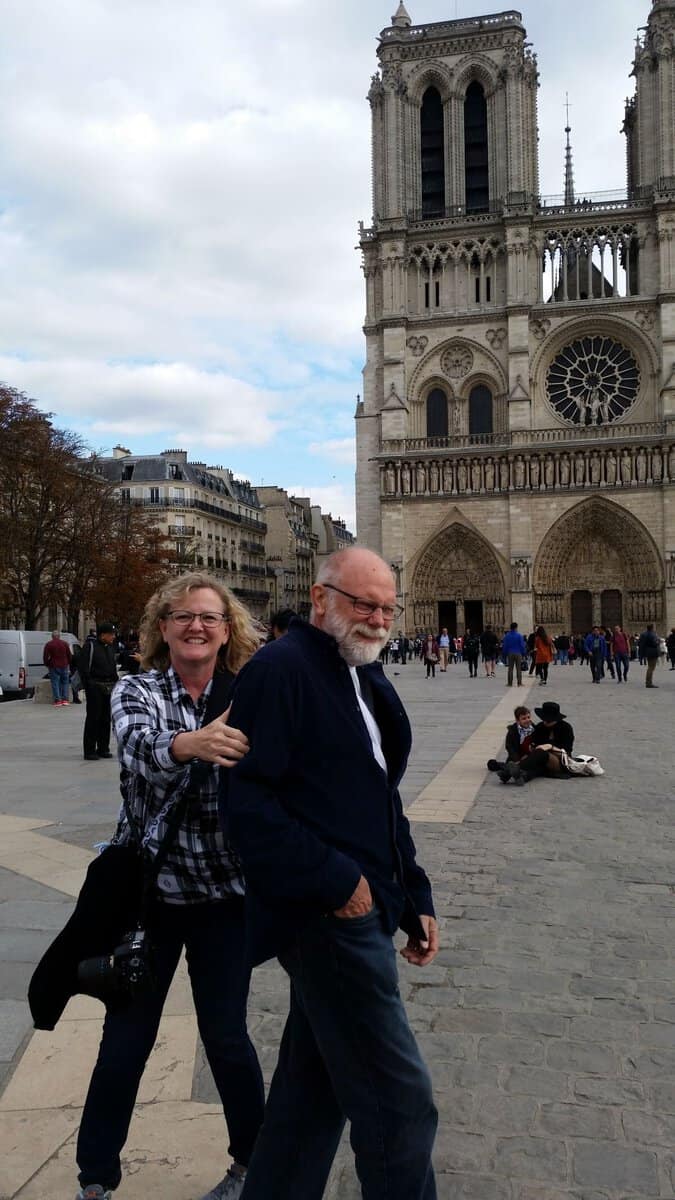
{"x": 210, "y": 620}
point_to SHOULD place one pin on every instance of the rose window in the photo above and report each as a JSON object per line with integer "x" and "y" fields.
{"x": 593, "y": 381}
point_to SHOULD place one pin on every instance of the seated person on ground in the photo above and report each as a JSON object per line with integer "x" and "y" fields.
{"x": 518, "y": 738}
{"x": 550, "y": 737}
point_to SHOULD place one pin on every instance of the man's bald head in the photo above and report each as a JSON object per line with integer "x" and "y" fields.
{"x": 355, "y": 565}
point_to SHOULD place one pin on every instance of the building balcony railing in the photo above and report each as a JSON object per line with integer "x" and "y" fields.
{"x": 169, "y": 503}
{"x": 580, "y": 434}
{"x": 181, "y": 530}
{"x": 245, "y": 593}
{"x": 539, "y": 206}
{"x": 252, "y": 547}
{"x": 249, "y": 570}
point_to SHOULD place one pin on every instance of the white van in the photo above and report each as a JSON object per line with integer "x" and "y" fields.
{"x": 21, "y": 665}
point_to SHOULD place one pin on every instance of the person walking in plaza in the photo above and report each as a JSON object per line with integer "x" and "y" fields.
{"x": 57, "y": 658}
{"x": 649, "y": 650}
{"x": 514, "y": 649}
{"x": 431, "y": 655}
{"x": 331, "y": 873}
{"x": 195, "y": 636}
{"x": 562, "y": 646}
{"x": 543, "y": 654}
{"x": 621, "y": 653}
{"x": 470, "y": 652}
{"x": 489, "y": 644}
{"x": 596, "y": 651}
{"x": 552, "y": 735}
{"x": 670, "y": 648}
{"x": 531, "y": 638}
{"x": 403, "y": 647}
{"x": 444, "y": 649}
{"x": 97, "y": 667}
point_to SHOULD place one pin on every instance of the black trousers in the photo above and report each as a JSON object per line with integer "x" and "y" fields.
{"x": 96, "y": 736}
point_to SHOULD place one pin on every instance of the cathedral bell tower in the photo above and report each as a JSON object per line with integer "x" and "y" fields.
{"x": 516, "y": 436}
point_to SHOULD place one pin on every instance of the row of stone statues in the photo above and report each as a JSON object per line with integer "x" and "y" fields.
{"x": 534, "y": 472}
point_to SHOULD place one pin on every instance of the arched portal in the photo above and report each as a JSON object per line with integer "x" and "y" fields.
{"x": 457, "y": 581}
{"x": 601, "y": 553}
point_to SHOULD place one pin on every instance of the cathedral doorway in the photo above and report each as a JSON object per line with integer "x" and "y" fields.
{"x": 582, "y": 612}
{"x": 458, "y": 582}
{"x": 598, "y": 566}
{"x": 473, "y": 615}
{"x": 611, "y": 608}
{"x": 447, "y": 616}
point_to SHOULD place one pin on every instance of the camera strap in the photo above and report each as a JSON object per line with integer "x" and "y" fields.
{"x": 221, "y": 688}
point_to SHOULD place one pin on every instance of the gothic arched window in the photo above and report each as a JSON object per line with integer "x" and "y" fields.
{"x": 476, "y": 150}
{"x": 437, "y": 413}
{"x": 480, "y": 411}
{"x": 433, "y": 157}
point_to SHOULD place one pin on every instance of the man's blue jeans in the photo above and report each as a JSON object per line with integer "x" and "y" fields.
{"x": 621, "y": 660}
{"x": 60, "y": 680}
{"x": 213, "y": 937}
{"x": 347, "y": 1053}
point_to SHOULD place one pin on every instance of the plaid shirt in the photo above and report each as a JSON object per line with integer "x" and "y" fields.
{"x": 148, "y": 711}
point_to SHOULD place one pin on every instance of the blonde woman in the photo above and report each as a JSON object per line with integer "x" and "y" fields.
{"x": 193, "y": 627}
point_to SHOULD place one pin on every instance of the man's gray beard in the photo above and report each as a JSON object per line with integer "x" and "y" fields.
{"x": 355, "y": 652}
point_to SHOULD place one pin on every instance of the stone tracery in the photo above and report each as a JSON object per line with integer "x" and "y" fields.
{"x": 457, "y": 565}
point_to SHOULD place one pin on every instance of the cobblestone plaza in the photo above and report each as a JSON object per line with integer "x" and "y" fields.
{"x": 547, "y": 1020}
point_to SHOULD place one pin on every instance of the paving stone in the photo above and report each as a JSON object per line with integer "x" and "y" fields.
{"x": 469, "y": 1020}
{"x": 505, "y": 1050}
{"x": 611, "y": 1091}
{"x": 536, "y": 1081}
{"x": 457, "y": 1150}
{"x": 504, "y": 1113}
{"x": 587, "y": 1057}
{"x": 538, "y": 1023}
{"x": 577, "y": 1120}
{"x": 616, "y": 1168}
{"x": 531, "y": 1158}
{"x": 15, "y": 1023}
{"x": 647, "y": 1129}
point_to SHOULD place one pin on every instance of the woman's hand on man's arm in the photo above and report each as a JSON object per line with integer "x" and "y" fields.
{"x": 216, "y": 742}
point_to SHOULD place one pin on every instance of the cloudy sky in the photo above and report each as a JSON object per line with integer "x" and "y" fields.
{"x": 180, "y": 185}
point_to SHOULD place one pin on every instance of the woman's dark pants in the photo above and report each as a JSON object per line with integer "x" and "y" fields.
{"x": 347, "y": 1052}
{"x": 213, "y": 937}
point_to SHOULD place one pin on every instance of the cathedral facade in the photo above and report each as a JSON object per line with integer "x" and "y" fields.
{"x": 516, "y": 436}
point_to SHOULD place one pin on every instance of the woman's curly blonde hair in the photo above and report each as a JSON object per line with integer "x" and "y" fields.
{"x": 243, "y": 640}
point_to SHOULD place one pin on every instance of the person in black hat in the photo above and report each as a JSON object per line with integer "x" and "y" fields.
{"x": 552, "y": 735}
{"x": 97, "y": 665}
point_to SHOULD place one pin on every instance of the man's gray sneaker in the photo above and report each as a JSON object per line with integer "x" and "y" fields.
{"x": 93, "y": 1191}
{"x": 229, "y": 1188}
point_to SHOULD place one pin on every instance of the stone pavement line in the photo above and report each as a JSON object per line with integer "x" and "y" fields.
{"x": 451, "y": 794}
{"x": 41, "y": 1106}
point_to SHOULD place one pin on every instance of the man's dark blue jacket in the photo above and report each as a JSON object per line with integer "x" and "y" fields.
{"x": 308, "y": 809}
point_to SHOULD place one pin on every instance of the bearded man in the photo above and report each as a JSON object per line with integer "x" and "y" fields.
{"x": 315, "y": 813}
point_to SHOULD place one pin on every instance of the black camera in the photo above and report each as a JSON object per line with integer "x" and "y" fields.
{"x": 122, "y": 976}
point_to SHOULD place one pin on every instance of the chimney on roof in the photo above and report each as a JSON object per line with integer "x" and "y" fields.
{"x": 175, "y": 455}
{"x": 120, "y": 452}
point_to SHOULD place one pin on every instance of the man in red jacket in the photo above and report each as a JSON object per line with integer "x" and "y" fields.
{"x": 57, "y": 658}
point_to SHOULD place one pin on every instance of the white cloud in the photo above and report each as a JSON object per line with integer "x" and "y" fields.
{"x": 336, "y": 499}
{"x": 168, "y": 399}
{"x": 179, "y": 193}
{"x": 339, "y": 450}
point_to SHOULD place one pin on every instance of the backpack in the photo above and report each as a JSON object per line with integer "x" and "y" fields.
{"x": 471, "y": 644}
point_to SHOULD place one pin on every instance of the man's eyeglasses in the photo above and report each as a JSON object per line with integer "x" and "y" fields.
{"x": 365, "y": 608}
{"x": 210, "y": 620}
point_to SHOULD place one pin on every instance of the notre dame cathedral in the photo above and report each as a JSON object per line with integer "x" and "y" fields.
{"x": 516, "y": 437}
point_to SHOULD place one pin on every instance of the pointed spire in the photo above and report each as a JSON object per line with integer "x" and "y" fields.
{"x": 569, "y": 170}
{"x": 401, "y": 18}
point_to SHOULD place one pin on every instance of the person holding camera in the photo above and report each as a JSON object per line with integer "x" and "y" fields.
{"x": 195, "y": 636}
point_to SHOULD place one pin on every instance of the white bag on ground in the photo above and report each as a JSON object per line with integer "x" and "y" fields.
{"x": 581, "y": 764}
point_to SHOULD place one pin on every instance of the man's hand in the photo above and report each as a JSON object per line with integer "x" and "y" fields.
{"x": 420, "y": 952}
{"x": 359, "y": 903}
{"x": 216, "y": 742}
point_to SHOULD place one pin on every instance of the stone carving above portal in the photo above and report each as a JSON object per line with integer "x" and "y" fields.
{"x": 520, "y": 574}
{"x": 456, "y": 361}
{"x": 417, "y": 345}
{"x": 635, "y": 467}
{"x": 496, "y": 337}
{"x": 540, "y": 328}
